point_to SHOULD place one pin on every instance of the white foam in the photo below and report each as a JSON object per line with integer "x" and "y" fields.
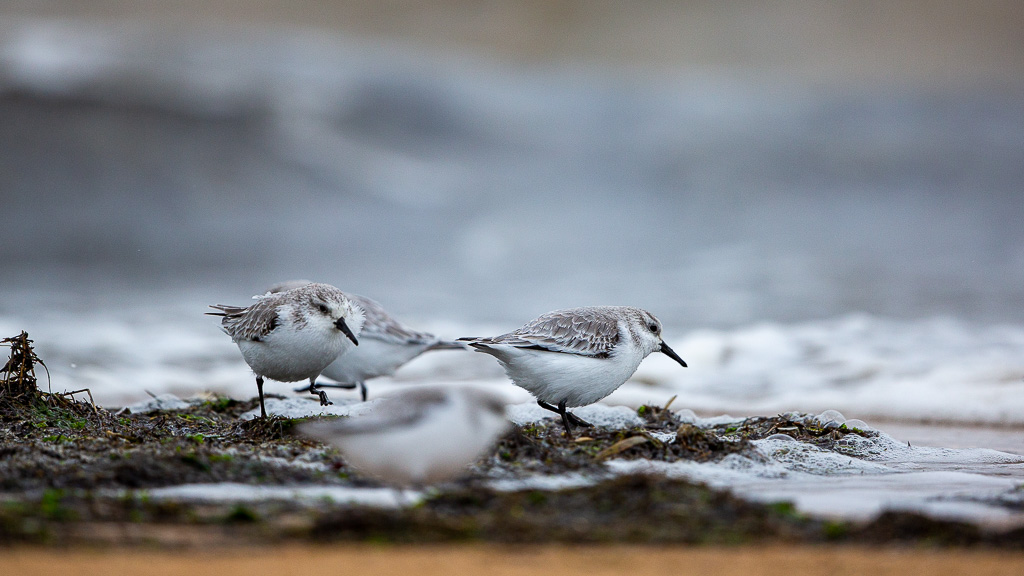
{"x": 665, "y": 437}
{"x": 233, "y": 492}
{"x": 305, "y": 461}
{"x": 1013, "y": 497}
{"x": 936, "y": 369}
{"x": 166, "y": 402}
{"x": 868, "y": 477}
{"x": 688, "y": 417}
{"x": 612, "y": 417}
{"x": 528, "y": 413}
{"x": 803, "y": 457}
{"x": 552, "y": 482}
{"x": 299, "y": 407}
{"x": 884, "y": 448}
{"x": 830, "y": 416}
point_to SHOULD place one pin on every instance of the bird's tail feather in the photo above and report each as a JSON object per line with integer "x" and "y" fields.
{"x": 447, "y": 345}
{"x": 225, "y": 310}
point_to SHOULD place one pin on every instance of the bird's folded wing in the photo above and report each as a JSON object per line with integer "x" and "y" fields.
{"x": 381, "y": 326}
{"x": 580, "y": 332}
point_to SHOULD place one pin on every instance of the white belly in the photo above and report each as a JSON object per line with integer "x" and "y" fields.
{"x": 577, "y": 380}
{"x": 290, "y": 356}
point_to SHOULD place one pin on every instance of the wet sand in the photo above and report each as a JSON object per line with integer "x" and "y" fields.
{"x": 480, "y": 559}
{"x": 1005, "y": 439}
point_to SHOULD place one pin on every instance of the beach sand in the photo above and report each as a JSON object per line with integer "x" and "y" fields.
{"x": 450, "y": 560}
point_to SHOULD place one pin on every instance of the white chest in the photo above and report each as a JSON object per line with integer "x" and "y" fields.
{"x": 577, "y": 380}
{"x": 289, "y": 354}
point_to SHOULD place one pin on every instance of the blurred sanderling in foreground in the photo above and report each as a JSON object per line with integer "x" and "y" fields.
{"x": 419, "y": 436}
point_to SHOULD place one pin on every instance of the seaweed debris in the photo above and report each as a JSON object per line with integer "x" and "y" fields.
{"x": 20, "y": 396}
{"x": 19, "y": 381}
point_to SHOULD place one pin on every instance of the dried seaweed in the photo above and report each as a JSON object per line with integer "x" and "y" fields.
{"x": 19, "y": 380}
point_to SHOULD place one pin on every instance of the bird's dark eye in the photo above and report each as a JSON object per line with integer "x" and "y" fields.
{"x": 322, "y": 307}
{"x": 653, "y": 327}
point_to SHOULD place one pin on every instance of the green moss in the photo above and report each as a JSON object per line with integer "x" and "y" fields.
{"x": 196, "y": 461}
{"x": 835, "y": 530}
{"x": 536, "y": 497}
{"x": 196, "y": 418}
{"x": 42, "y": 415}
{"x": 784, "y": 509}
{"x": 51, "y": 506}
{"x": 241, "y": 515}
{"x": 221, "y": 404}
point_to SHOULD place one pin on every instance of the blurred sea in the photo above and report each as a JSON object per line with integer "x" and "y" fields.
{"x": 811, "y": 244}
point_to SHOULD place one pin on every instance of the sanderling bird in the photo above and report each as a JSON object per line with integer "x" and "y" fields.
{"x": 421, "y": 435}
{"x": 293, "y": 335}
{"x": 576, "y": 357}
{"x": 385, "y": 345}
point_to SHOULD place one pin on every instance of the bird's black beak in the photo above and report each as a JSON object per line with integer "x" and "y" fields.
{"x": 340, "y": 324}
{"x": 672, "y": 354}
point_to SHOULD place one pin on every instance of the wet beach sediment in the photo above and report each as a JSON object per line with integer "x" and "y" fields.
{"x": 75, "y": 473}
{"x": 72, "y": 474}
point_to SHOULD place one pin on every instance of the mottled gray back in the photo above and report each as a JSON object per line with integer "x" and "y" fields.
{"x": 590, "y": 331}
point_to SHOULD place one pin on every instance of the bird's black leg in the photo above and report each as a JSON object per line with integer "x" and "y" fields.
{"x": 547, "y": 406}
{"x": 328, "y": 385}
{"x": 565, "y": 418}
{"x": 574, "y": 419}
{"x": 560, "y": 411}
{"x": 323, "y": 395}
{"x": 259, "y": 387}
{"x": 362, "y": 390}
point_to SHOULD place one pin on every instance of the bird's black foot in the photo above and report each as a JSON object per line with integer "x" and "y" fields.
{"x": 577, "y": 421}
{"x": 567, "y": 417}
{"x": 323, "y": 398}
{"x": 314, "y": 389}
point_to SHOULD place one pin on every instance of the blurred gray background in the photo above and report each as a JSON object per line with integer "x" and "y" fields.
{"x": 719, "y": 163}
